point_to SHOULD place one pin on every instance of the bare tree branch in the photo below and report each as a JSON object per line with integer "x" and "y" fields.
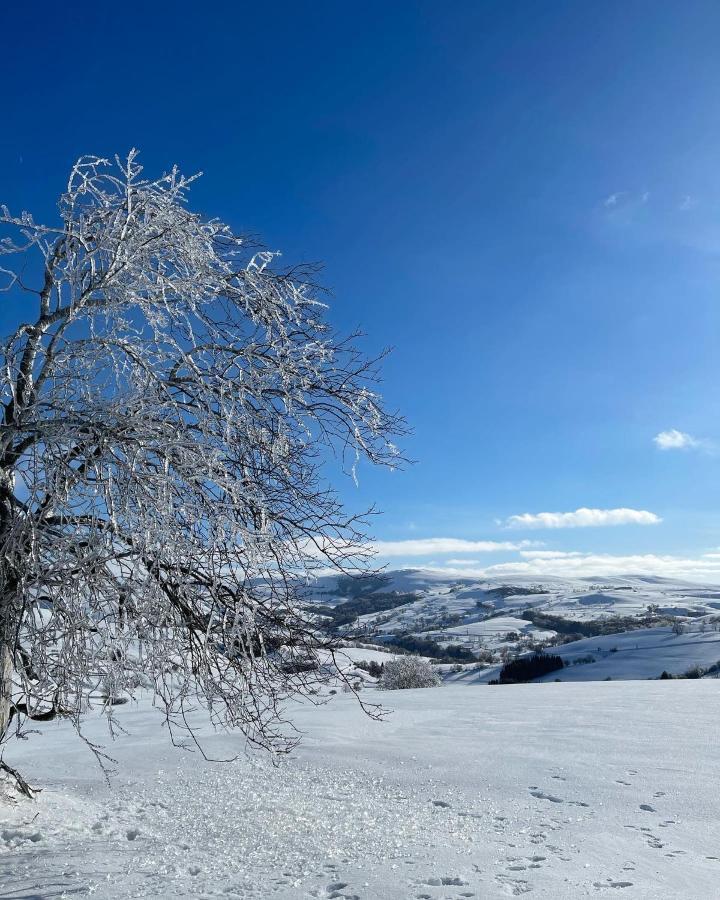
{"x": 167, "y": 408}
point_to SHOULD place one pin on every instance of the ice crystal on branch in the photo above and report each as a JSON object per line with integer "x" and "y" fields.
{"x": 167, "y": 402}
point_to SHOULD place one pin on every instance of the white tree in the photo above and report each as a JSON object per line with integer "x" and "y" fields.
{"x": 168, "y": 399}
{"x": 407, "y": 672}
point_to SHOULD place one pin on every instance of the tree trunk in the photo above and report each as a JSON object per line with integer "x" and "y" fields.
{"x": 8, "y": 590}
{"x": 6, "y": 667}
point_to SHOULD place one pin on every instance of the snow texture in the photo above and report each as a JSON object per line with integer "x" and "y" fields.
{"x": 559, "y": 791}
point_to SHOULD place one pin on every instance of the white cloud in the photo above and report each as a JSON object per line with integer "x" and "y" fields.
{"x": 463, "y": 562}
{"x": 583, "y": 518}
{"x": 430, "y": 546}
{"x": 672, "y": 439}
{"x": 597, "y": 565}
{"x": 546, "y": 554}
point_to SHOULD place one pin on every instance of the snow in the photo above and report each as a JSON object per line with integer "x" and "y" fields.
{"x": 580, "y": 599}
{"x": 628, "y": 655}
{"x": 363, "y": 654}
{"x": 491, "y": 632}
{"x": 558, "y": 790}
{"x": 638, "y": 654}
{"x": 482, "y": 615}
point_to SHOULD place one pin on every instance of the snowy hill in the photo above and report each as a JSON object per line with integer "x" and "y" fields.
{"x": 587, "y": 787}
{"x": 476, "y": 620}
{"x": 559, "y": 791}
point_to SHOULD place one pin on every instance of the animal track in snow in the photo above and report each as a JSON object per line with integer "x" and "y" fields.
{"x": 513, "y": 886}
{"x": 334, "y": 891}
{"x": 541, "y": 795}
{"x": 445, "y": 880}
{"x": 13, "y": 837}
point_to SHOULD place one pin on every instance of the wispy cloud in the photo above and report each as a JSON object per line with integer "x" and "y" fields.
{"x": 547, "y": 554}
{"x": 597, "y": 565}
{"x": 614, "y": 199}
{"x": 661, "y": 217}
{"x": 431, "y": 546}
{"x": 622, "y": 200}
{"x": 583, "y": 518}
{"x": 672, "y": 439}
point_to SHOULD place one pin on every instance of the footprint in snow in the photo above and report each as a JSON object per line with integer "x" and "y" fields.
{"x": 441, "y": 803}
{"x": 647, "y": 807}
{"x": 541, "y": 795}
{"x": 14, "y": 836}
{"x": 445, "y": 881}
{"x": 514, "y": 886}
{"x": 335, "y": 891}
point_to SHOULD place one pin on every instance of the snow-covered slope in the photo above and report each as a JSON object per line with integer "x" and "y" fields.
{"x": 487, "y": 618}
{"x": 585, "y": 598}
{"x": 645, "y": 653}
{"x": 559, "y": 791}
{"x": 637, "y": 654}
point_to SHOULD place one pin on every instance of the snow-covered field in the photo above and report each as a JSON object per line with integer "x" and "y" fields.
{"x": 583, "y": 788}
{"x": 486, "y": 617}
{"x": 638, "y": 654}
{"x": 644, "y": 653}
{"x": 599, "y": 789}
{"x": 490, "y": 633}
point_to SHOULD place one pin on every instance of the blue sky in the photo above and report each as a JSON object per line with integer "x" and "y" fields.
{"x": 522, "y": 198}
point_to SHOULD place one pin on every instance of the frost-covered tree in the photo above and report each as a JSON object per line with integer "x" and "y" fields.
{"x": 408, "y": 672}
{"x": 169, "y": 397}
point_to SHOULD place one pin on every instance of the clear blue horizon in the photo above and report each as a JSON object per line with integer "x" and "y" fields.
{"x": 521, "y": 199}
